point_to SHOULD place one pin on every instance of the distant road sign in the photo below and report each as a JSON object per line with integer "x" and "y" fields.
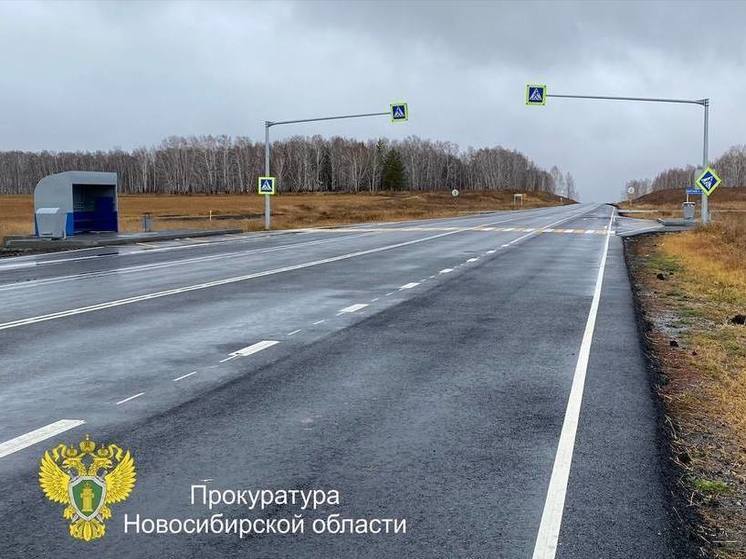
{"x": 454, "y": 192}
{"x": 267, "y": 185}
{"x": 708, "y": 181}
{"x": 536, "y": 94}
{"x": 693, "y": 191}
{"x": 631, "y": 190}
{"x": 399, "y": 112}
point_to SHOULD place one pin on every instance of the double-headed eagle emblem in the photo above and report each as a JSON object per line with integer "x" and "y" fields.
{"x": 87, "y": 480}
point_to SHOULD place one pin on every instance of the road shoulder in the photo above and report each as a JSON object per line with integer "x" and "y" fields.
{"x": 617, "y": 488}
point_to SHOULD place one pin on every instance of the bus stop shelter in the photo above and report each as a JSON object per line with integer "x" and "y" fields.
{"x": 75, "y": 202}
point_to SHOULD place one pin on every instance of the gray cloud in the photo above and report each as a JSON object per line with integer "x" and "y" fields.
{"x": 97, "y": 75}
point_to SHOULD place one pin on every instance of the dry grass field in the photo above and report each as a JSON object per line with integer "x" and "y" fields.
{"x": 692, "y": 289}
{"x": 288, "y": 210}
{"x": 667, "y": 203}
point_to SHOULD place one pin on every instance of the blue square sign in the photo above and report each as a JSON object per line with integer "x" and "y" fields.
{"x": 267, "y": 185}
{"x": 536, "y": 94}
{"x": 399, "y": 112}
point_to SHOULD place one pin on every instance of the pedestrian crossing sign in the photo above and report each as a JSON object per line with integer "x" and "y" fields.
{"x": 399, "y": 112}
{"x": 708, "y": 181}
{"x": 536, "y": 94}
{"x": 267, "y": 185}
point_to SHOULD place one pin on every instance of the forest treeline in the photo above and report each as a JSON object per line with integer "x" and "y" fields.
{"x": 222, "y": 164}
{"x": 730, "y": 167}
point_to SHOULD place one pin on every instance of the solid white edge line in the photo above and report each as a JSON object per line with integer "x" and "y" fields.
{"x": 547, "y": 538}
{"x": 38, "y": 435}
{"x": 120, "y": 402}
{"x": 177, "y": 379}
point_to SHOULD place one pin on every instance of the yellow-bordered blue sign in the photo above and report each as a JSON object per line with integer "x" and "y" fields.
{"x": 708, "y": 181}
{"x": 399, "y": 112}
{"x": 267, "y": 185}
{"x": 536, "y": 94}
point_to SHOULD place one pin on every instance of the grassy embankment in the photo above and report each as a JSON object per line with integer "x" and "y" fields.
{"x": 692, "y": 290}
{"x": 667, "y": 203}
{"x": 289, "y": 210}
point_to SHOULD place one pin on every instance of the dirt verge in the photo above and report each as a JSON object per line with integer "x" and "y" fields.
{"x": 689, "y": 294}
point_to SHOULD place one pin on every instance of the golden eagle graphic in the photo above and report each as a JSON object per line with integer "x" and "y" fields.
{"x": 87, "y": 480}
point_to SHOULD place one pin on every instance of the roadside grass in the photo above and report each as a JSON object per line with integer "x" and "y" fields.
{"x": 691, "y": 286}
{"x": 709, "y": 486}
{"x": 289, "y": 211}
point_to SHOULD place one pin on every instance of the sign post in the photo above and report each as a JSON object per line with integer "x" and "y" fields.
{"x": 704, "y": 208}
{"x": 398, "y": 111}
{"x": 631, "y": 194}
{"x": 267, "y": 203}
{"x": 537, "y": 95}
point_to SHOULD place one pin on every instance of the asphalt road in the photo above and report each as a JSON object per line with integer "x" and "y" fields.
{"x": 480, "y": 377}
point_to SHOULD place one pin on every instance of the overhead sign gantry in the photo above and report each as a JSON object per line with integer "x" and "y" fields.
{"x": 537, "y": 94}
{"x": 398, "y": 112}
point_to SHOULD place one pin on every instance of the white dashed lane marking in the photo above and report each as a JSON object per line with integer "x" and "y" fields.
{"x": 38, "y": 435}
{"x": 177, "y": 379}
{"x": 120, "y": 402}
{"x": 250, "y": 350}
{"x": 353, "y": 308}
{"x": 409, "y": 285}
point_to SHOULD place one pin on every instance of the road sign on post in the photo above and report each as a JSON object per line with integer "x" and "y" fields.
{"x": 267, "y": 185}
{"x": 708, "y": 181}
{"x": 399, "y": 112}
{"x": 536, "y": 94}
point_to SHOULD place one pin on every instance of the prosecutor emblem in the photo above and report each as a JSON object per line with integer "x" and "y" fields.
{"x": 87, "y": 480}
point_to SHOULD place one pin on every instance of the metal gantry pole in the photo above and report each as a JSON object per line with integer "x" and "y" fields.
{"x": 267, "y": 206}
{"x": 704, "y": 209}
{"x": 703, "y": 102}
{"x": 268, "y": 124}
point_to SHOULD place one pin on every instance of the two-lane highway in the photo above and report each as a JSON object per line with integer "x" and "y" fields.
{"x": 479, "y": 376}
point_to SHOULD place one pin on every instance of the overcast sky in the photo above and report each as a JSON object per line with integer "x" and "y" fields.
{"x": 98, "y": 75}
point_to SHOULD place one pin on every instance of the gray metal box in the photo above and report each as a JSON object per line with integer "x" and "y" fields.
{"x": 688, "y": 210}
{"x": 50, "y": 222}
